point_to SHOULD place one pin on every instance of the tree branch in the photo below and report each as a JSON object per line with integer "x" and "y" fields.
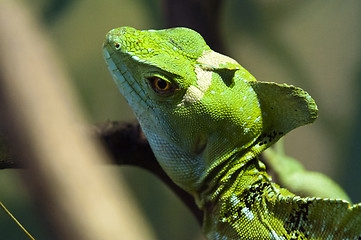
{"x": 127, "y": 145}
{"x": 41, "y": 119}
{"x": 202, "y": 16}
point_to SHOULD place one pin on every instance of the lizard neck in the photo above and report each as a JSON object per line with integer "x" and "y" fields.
{"x": 231, "y": 176}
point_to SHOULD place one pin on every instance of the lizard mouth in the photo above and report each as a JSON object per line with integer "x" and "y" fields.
{"x": 143, "y": 108}
{"x": 126, "y": 83}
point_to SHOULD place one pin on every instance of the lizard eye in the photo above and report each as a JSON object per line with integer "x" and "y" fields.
{"x": 160, "y": 85}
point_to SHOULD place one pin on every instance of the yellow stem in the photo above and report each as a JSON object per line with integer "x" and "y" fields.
{"x": 16, "y": 221}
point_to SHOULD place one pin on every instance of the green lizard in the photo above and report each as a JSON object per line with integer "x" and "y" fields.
{"x": 207, "y": 119}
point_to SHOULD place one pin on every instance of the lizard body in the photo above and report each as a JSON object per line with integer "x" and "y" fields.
{"x": 206, "y": 119}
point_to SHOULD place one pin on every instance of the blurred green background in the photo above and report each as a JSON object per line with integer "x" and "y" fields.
{"x": 314, "y": 44}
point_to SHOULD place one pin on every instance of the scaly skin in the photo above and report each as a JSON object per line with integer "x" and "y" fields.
{"x": 207, "y": 119}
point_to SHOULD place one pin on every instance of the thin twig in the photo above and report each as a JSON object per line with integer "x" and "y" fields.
{"x": 16, "y": 221}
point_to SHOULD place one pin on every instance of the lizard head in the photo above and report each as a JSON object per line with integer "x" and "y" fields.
{"x": 199, "y": 109}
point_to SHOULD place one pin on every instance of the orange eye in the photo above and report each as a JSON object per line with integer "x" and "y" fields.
{"x": 161, "y": 86}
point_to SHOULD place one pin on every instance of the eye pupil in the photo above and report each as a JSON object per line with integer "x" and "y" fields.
{"x": 161, "y": 84}
{"x": 117, "y": 45}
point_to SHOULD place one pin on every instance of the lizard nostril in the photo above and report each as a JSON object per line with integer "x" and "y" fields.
{"x": 117, "y": 45}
